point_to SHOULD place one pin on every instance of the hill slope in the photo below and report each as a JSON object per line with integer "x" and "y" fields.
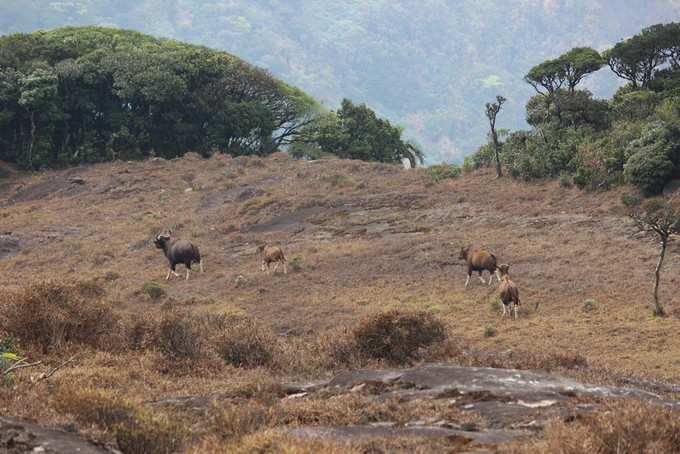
{"x": 368, "y": 236}
{"x": 360, "y": 238}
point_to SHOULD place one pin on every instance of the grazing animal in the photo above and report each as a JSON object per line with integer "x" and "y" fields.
{"x": 178, "y": 251}
{"x": 271, "y": 254}
{"x": 479, "y": 261}
{"x": 508, "y": 291}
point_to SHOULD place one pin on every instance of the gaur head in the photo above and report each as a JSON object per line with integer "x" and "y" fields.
{"x": 161, "y": 239}
{"x": 504, "y": 269}
{"x": 464, "y": 252}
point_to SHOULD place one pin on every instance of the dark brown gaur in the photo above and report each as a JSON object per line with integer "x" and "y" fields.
{"x": 508, "y": 291}
{"x": 479, "y": 261}
{"x": 271, "y": 254}
{"x": 178, "y": 251}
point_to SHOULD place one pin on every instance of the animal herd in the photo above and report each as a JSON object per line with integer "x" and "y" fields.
{"x": 185, "y": 252}
{"x": 484, "y": 260}
{"x": 182, "y": 251}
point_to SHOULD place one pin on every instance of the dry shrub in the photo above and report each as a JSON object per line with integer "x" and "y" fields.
{"x": 136, "y": 430}
{"x": 618, "y": 427}
{"x": 550, "y": 361}
{"x": 275, "y": 442}
{"x": 50, "y": 314}
{"x": 139, "y": 330}
{"x": 246, "y": 345}
{"x": 235, "y": 420}
{"x": 394, "y": 336}
{"x": 180, "y": 336}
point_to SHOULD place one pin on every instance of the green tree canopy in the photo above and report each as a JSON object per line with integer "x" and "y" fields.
{"x": 636, "y": 58}
{"x": 578, "y": 63}
{"x": 546, "y": 77}
{"x": 356, "y": 132}
{"x": 87, "y": 94}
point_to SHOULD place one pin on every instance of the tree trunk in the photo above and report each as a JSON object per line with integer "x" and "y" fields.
{"x": 657, "y": 308}
{"x": 30, "y": 146}
{"x": 411, "y": 159}
{"x": 496, "y": 146}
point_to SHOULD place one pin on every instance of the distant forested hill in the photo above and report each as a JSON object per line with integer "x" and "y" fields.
{"x": 429, "y": 65}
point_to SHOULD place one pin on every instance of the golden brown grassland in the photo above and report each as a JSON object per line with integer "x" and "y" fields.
{"x": 367, "y": 240}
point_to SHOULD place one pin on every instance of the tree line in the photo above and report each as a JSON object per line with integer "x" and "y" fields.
{"x": 594, "y": 143}
{"x": 76, "y": 95}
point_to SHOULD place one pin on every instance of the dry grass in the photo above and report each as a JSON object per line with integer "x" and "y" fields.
{"x": 386, "y": 241}
{"x": 135, "y": 430}
{"x": 48, "y": 315}
{"x": 395, "y": 337}
{"x": 630, "y": 427}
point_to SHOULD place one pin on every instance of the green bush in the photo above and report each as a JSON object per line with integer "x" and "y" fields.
{"x": 495, "y": 304}
{"x": 631, "y": 199}
{"x": 153, "y": 289}
{"x": 589, "y": 305}
{"x": 297, "y": 262}
{"x": 489, "y": 330}
{"x": 240, "y": 281}
{"x": 648, "y": 170}
{"x": 436, "y": 173}
{"x": 653, "y": 158}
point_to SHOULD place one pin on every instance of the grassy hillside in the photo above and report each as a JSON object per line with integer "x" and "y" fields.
{"x": 360, "y": 238}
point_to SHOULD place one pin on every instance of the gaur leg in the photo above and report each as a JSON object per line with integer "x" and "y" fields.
{"x": 200, "y": 264}
{"x": 498, "y": 275}
{"x": 503, "y": 310}
{"x": 172, "y": 270}
{"x": 276, "y": 265}
{"x": 490, "y": 277}
{"x": 468, "y": 279}
{"x": 284, "y": 268}
{"x": 481, "y": 278}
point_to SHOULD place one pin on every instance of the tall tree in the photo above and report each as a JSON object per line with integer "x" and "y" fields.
{"x": 88, "y": 94}
{"x": 491, "y": 112}
{"x": 636, "y": 58}
{"x": 669, "y": 35}
{"x": 578, "y": 63}
{"x": 546, "y": 77}
{"x": 38, "y": 91}
{"x": 662, "y": 220}
{"x": 356, "y": 132}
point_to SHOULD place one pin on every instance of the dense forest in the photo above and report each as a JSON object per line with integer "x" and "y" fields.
{"x": 596, "y": 143}
{"x": 87, "y": 94}
{"x": 429, "y": 66}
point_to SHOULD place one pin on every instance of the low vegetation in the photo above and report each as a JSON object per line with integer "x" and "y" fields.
{"x": 381, "y": 286}
{"x": 617, "y": 427}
